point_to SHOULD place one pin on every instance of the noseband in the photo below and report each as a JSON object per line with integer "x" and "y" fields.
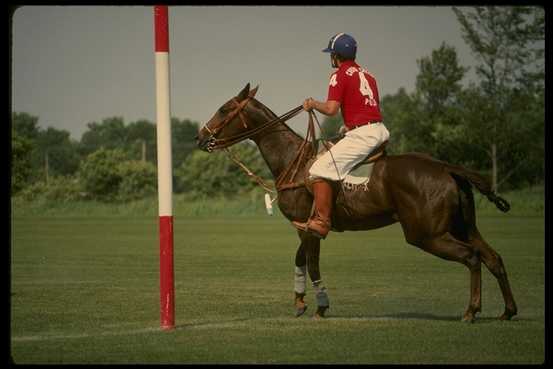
{"x": 238, "y": 107}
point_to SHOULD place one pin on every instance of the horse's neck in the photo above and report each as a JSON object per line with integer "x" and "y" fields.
{"x": 278, "y": 144}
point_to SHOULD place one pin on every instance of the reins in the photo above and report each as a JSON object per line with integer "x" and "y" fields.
{"x": 255, "y": 177}
{"x": 286, "y": 180}
{"x": 221, "y": 143}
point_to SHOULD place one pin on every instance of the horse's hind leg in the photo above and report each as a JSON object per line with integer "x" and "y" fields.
{"x": 494, "y": 263}
{"x": 449, "y": 248}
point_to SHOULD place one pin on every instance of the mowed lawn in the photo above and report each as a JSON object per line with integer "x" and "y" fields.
{"x": 86, "y": 290}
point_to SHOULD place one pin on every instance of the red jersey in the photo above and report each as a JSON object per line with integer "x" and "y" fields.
{"x": 355, "y": 89}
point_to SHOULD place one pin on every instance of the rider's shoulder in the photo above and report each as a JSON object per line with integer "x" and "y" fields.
{"x": 365, "y": 71}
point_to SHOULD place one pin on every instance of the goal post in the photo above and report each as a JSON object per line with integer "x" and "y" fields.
{"x": 164, "y": 167}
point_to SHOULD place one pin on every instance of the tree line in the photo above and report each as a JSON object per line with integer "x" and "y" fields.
{"x": 494, "y": 125}
{"x": 114, "y": 161}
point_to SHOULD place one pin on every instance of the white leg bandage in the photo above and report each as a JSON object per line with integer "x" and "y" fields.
{"x": 300, "y": 279}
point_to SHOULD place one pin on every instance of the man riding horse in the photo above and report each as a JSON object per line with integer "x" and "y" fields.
{"x": 354, "y": 90}
{"x": 431, "y": 199}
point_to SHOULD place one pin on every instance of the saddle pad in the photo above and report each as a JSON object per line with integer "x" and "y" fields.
{"x": 359, "y": 177}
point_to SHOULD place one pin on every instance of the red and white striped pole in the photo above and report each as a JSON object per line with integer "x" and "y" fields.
{"x": 164, "y": 168}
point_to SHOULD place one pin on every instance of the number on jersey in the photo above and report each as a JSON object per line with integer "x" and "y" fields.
{"x": 333, "y": 81}
{"x": 366, "y": 90}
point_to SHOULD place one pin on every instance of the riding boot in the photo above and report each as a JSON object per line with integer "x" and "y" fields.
{"x": 319, "y": 224}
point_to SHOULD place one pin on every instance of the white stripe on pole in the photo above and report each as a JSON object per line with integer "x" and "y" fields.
{"x": 164, "y": 158}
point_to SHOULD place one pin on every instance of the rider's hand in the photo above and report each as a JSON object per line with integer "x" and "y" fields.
{"x": 308, "y": 104}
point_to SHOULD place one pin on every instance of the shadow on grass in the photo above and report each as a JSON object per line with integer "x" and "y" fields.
{"x": 426, "y": 316}
{"x": 397, "y": 316}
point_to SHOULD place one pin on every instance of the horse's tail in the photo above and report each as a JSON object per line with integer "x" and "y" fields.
{"x": 481, "y": 184}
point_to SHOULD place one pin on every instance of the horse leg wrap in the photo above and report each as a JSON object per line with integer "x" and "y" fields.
{"x": 300, "y": 279}
{"x": 320, "y": 294}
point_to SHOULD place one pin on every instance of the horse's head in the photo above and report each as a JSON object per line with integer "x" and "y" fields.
{"x": 228, "y": 122}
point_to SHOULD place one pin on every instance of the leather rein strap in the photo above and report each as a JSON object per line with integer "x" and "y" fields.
{"x": 285, "y": 180}
{"x": 221, "y": 143}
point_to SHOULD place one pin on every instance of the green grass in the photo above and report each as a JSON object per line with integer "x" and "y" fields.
{"x": 525, "y": 202}
{"x": 84, "y": 289}
{"x": 247, "y": 204}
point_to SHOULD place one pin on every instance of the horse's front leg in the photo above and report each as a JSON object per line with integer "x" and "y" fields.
{"x": 300, "y": 277}
{"x": 310, "y": 249}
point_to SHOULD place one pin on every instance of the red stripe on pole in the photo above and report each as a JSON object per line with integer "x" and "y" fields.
{"x": 161, "y": 15}
{"x": 166, "y": 280}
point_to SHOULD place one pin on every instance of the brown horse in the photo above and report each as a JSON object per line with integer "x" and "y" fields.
{"x": 431, "y": 199}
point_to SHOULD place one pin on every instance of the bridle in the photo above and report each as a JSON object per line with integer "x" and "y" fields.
{"x": 238, "y": 107}
{"x": 214, "y": 143}
{"x": 287, "y": 179}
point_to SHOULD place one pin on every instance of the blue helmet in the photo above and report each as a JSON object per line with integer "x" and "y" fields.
{"x": 342, "y": 44}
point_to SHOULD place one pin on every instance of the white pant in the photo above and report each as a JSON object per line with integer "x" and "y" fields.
{"x": 350, "y": 150}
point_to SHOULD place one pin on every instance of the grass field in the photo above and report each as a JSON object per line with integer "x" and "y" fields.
{"x": 85, "y": 290}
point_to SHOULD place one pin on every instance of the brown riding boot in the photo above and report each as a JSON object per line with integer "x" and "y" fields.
{"x": 319, "y": 225}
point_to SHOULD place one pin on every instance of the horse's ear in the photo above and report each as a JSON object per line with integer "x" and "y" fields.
{"x": 244, "y": 93}
{"x": 254, "y": 91}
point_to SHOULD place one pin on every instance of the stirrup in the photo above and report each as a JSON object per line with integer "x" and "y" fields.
{"x": 305, "y": 227}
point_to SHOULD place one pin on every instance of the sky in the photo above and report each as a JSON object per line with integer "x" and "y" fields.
{"x": 72, "y": 65}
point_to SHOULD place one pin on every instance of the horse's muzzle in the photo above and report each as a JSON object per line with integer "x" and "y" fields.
{"x": 205, "y": 140}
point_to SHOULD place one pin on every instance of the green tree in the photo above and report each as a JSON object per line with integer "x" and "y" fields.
{"x": 53, "y": 152}
{"x": 99, "y": 173}
{"x": 437, "y": 90}
{"x": 216, "y": 174}
{"x": 139, "y": 179}
{"x": 25, "y": 125}
{"x": 56, "y": 154}
{"x": 409, "y": 131}
{"x": 109, "y": 134}
{"x": 506, "y": 42}
{"x": 59, "y": 189}
{"x": 141, "y": 138}
{"x": 183, "y": 133}
{"x": 439, "y": 80}
{"x": 21, "y": 162}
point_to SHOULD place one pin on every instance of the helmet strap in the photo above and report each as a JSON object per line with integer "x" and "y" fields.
{"x": 333, "y": 60}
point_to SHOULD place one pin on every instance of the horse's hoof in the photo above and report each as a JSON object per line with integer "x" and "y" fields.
{"x": 301, "y": 310}
{"x": 507, "y": 315}
{"x": 470, "y": 315}
{"x": 320, "y": 313}
{"x": 301, "y": 306}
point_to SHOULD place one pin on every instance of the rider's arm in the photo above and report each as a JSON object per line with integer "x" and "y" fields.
{"x": 329, "y": 107}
